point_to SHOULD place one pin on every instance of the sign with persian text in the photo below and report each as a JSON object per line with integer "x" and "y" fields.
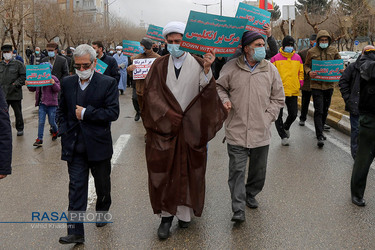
{"x": 219, "y": 33}
{"x": 328, "y": 71}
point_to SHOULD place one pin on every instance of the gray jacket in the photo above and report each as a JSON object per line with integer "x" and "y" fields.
{"x": 256, "y": 99}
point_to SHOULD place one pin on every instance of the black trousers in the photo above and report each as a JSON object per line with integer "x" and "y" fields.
{"x": 17, "y": 108}
{"x": 305, "y": 102}
{"x": 322, "y": 101}
{"x": 365, "y": 154}
{"x": 78, "y": 170}
{"x": 135, "y": 101}
{"x": 292, "y": 106}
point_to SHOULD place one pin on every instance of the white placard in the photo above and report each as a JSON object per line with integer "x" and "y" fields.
{"x": 142, "y": 67}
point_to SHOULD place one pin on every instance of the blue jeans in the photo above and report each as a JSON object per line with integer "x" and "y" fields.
{"x": 43, "y": 111}
{"x": 354, "y": 128}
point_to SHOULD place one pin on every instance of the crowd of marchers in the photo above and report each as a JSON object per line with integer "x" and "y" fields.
{"x": 183, "y": 102}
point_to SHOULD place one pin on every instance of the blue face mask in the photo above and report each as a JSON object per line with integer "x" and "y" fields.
{"x": 288, "y": 49}
{"x": 174, "y": 50}
{"x": 141, "y": 50}
{"x": 323, "y": 45}
{"x": 51, "y": 53}
{"x": 37, "y": 52}
{"x": 259, "y": 54}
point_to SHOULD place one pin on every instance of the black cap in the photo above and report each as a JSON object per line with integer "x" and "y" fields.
{"x": 147, "y": 42}
{"x": 6, "y": 47}
{"x": 288, "y": 41}
{"x": 313, "y": 37}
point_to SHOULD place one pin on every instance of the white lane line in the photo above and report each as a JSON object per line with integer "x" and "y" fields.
{"x": 117, "y": 149}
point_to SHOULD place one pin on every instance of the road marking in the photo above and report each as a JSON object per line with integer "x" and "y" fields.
{"x": 117, "y": 149}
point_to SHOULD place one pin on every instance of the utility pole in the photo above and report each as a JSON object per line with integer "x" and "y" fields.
{"x": 206, "y": 5}
{"x": 221, "y": 7}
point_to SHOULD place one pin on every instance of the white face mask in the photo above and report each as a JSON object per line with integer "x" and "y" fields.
{"x": 119, "y": 52}
{"x": 85, "y": 74}
{"x": 7, "y": 56}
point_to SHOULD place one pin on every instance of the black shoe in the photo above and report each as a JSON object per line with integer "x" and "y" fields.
{"x": 301, "y": 123}
{"x": 320, "y": 141}
{"x": 72, "y": 238}
{"x": 137, "y": 116}
{"x": 251, "y": 202}
{"x": 238, "y": 216}
{"x": 358, "y": 201}
{"x": 183, "y": 224}
{"x": 165, "y": 225}
{"x": 101, "y": 224}
{"x": 326, "y": 127}
{"x": 20, "y": 133}
{"x": 324, "y": 137}
{"x": 38, "y": 143}
{"x": 121, "y": 91}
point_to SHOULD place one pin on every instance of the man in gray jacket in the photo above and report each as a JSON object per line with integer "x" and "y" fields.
{"x": 252, "y": 92}
{"x": 12, "y": 78}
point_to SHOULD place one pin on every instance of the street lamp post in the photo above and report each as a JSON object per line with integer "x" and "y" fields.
{"x": 206, "y": 5}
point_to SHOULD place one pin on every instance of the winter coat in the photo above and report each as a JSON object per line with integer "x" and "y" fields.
{"x": 317, "y": 53}
{"x": 349, "y": 87}
{"x": 12, "y": 78}
{"x": 306, "y": 77}
{"x": 290, "y": 68}
{"x": 367, "y": 84}
{"x": 47, "y": 95}
{"x": 256, "y": 99}
{"x": 5, "y": 137}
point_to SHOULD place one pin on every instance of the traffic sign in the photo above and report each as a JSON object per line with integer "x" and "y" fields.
{"x": 356, "y": 42}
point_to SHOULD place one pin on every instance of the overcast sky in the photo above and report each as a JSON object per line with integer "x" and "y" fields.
{"x": 160, "y": 12}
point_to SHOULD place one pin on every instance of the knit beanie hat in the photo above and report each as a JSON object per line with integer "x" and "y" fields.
{"x": 249, "y": 37}
{"x": 288, "y": 41}
{"x": 147, "y": 42}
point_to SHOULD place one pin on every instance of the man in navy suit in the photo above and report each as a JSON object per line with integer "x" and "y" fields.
{"x": 5, "y": 138}
{"x": 88, "y": 105}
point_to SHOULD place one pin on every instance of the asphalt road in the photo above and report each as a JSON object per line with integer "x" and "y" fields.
{"x": 305, "y": 203}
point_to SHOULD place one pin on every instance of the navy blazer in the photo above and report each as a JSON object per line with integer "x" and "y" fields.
{"x": 102, "y": 107}
{"x": 5, "y": 137}
{"x": 112, "y": 69}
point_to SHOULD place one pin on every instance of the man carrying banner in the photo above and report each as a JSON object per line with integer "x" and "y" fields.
{"x": 321, "y": 91}
{"x": 252, "y": 92}
{"x": 112, "y": 69}
{"x": 181, "y": 113}
{"x": 12, "y": 78}
{"x": 147, "y": 52}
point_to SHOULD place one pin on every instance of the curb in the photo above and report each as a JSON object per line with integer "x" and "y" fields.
{"x": 335, "y": 119}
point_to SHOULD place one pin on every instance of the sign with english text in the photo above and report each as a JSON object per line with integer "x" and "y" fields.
{"x": 38, "y": 75}
{"x": 328, "y": 71}
{"x": 205, "y": 31}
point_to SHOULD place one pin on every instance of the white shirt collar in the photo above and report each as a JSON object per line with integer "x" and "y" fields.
{"x": 179, "y": 61}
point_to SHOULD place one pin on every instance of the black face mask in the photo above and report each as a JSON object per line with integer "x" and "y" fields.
{"x": 155, "y": 49}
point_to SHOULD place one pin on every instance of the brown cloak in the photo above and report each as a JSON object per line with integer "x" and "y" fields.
{"x": 176, "y": 157}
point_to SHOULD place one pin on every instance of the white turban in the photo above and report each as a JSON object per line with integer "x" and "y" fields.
{"x": 118, "y": 47}
{"x": 174, "y": 27}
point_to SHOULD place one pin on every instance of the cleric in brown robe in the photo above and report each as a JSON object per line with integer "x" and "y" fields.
{"x": 182, "y": 112}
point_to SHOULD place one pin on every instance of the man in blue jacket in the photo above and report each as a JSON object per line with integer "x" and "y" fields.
{"x": 88, "y": 104}
{"x": 5, "y": 139}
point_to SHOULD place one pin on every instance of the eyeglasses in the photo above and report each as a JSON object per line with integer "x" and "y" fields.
{"x": 84, "y": 66}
